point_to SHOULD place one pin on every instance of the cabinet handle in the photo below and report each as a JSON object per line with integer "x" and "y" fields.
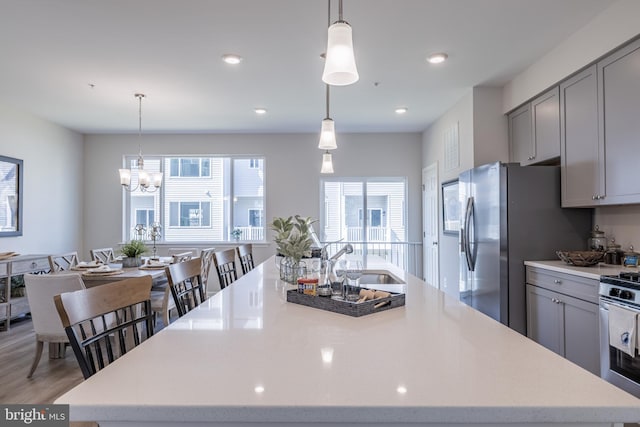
{"x": 557, "y": 281}
{"x": 531, "y": 158}
{"x": 594, "y": 197}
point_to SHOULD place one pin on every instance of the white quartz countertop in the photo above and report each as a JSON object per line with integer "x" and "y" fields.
{"x": 247, "y": 355}
{"x": 593, "y": 272}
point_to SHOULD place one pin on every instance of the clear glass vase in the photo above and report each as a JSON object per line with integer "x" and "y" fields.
{"x": 291, "y": 270}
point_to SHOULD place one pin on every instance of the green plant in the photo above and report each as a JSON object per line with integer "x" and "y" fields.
{"x": 293, "y": 236}
{"x": 134, "y": 249}
{"x": 236, "y": 233}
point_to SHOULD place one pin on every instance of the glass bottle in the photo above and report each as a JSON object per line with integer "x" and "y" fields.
{"x": 597, "y": 241}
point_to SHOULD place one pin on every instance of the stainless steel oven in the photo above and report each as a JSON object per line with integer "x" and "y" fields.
{"x": 616, "y": 366}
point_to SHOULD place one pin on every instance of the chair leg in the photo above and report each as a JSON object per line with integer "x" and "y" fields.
{"x": 166, "y": 317}
{"x": 36, "y": 360}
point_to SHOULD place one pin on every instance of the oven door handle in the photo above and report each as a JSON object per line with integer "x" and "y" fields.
{"x": 604, "y": 304}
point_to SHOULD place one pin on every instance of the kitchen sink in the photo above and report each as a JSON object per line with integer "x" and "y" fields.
{"x": 370, "y": 277}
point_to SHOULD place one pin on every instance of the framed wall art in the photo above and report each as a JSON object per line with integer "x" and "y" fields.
{"x": 11, "y": 172}
{"x": 450, "y": 207}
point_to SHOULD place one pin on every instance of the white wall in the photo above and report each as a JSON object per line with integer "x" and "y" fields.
{"x": 292, "y": 170}
{"x": 616, "y": 25}
{"x": 53, "y": 184}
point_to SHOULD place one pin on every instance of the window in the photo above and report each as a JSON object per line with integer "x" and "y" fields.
{"x": 346, "y": 200}
{"x": 190, "y": 167}
{"x": 255, "y": 217}
{"x": 144, "y": 217}
{"x": 202, "y": 198}
{"x": 189, "y": 214}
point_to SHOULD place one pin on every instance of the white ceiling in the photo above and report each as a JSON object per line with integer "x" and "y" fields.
{"x": 78, "y": 63}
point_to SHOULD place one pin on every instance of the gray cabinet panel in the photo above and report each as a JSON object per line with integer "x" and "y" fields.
{"x": 545, "y": 319}
{"x": 546, "y": 126}
{"x": 619, "y": 110}
{"x": 581, "y": 152}
{"x": 563, "y": 323}
{"x": 520, "y": 136}
{"x": 581, "y": 344}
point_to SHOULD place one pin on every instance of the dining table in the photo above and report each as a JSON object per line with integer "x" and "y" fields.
{"x": 96, "y": 275}
{"x": 248, "y": 356}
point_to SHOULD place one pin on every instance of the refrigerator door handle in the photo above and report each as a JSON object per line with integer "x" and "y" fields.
{"x": 465, "y": 236}
{"x": 470, "y": 222}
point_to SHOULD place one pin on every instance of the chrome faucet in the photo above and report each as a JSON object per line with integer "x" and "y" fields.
{"x": 327, "y": 266}
{"x": 346, "y": 249}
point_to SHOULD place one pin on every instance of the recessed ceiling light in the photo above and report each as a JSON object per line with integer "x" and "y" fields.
{"x": 231, "y": 58}
{"x": 260, "y": 110}
{"x": 401, "y": 110}
{"x": 437, "y": 58}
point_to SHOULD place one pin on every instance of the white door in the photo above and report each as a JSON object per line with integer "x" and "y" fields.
{"x": 430, "y": 224}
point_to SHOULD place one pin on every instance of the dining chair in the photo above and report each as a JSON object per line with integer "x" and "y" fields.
{"x": 105, "y": 322}
{"x": 206, "y": 262}
{"x": 103, "y": 255}
{"x": 63, "y": 262}
{"x": 181, "y": 257}
{"x": 245, "y": 255}
{"x": 41, "y": 288}
{"x": 176, "y": 251}
{"x": 186, "y": 285}
{"x": 226, "y": 267}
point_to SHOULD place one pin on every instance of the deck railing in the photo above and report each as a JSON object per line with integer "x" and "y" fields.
{"x": 251, "y": 233}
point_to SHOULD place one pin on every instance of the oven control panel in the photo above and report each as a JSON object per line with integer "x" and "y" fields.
{"x": 620, "y": 288}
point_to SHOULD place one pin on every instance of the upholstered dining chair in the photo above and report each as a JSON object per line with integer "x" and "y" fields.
{"x": 103, "y": 255}
{"x": 225, "y": 262}
{"x": 105, "y": 322}
{"x": 245, "y": 255}
{"x": 186, "y": 285}
{"x": 41, "y": 288}
{"x": 63, "y": 262}
{"x": 206, "y": 262}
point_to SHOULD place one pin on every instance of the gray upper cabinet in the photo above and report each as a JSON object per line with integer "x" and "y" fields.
{"x": 619, "y": 110}
{"x": 600, "y": 132}
{"x": 534, "y": 130}
{"x": 582, "y": 155}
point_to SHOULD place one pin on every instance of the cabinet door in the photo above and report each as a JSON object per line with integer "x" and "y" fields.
{"x": 619, "y": 85}
{"x": 545, "y": 113}
{"x": 581, "y": 333}
{"x": 545, "y": 319}
{"x": 520, "y": 141}
{"x": 581, "y": 152}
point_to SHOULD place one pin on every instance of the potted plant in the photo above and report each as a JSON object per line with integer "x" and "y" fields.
{"x": 132, "y": 251}
{"x": 236, "y": 234}
{"x": 293, "y": 240}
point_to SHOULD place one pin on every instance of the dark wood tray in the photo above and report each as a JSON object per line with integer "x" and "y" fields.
{"x": 354, "y": 309}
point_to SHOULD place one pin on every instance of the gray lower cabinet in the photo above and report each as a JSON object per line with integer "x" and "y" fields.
{"x": 534, "y": 130}
{"x": 563, "y": 323}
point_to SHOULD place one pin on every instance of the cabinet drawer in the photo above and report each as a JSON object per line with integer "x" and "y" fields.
{"x": 28, "y": 266}
{"x": 568, "y": 284}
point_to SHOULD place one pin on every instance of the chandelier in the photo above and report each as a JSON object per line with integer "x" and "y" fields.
{"x": 147, "y": 181}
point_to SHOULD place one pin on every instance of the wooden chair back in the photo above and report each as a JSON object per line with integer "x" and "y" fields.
{"x": 245, "y": 255}
{"x": 186, "y": 285}
{"x": 103, "y": 255}
{"x": 63, "y": 262}
{"x": 206, "y": 262}
{"x": 104, "y": 322}
{"x": 225, "y": 262}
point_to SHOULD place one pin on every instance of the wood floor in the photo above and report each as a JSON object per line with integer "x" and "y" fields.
{"x": 52, "y": 378}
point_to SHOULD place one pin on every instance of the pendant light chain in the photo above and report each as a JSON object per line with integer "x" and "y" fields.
{"x": 140, "y": 161}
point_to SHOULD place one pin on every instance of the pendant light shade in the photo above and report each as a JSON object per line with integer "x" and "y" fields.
{"x": 327, "y": 163}
{"x": 340, "y": 64}
{"x": 328, "y": 135}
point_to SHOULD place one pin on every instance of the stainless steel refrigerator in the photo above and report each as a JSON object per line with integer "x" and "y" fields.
{"x": 511, "y": 214}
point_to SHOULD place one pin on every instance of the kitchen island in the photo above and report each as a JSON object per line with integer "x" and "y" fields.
{"x": 248, "y": 356}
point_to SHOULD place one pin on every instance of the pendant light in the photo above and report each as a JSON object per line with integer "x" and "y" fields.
{"x": 327, "y": 163}
{"x": 340, "y": 65}
{"x": 148, "y": 182}
{"x": 328, "y": 131}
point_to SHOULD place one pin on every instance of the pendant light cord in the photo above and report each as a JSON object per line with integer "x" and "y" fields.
{"x": 328, "y": 25}
{"x": 140, "y": 161}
